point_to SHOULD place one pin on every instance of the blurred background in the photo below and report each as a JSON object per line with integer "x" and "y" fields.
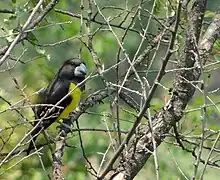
{"x": 59, "y": 37}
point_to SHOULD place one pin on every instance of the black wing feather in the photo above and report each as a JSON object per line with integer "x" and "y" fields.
{"x": 53, "y": 94}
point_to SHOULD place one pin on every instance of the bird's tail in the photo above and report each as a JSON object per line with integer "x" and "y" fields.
{"x": 36, "y": 132}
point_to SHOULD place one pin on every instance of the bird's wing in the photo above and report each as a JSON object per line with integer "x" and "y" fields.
{"x": 52, "y": 95}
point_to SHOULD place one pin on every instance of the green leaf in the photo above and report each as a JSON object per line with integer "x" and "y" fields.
{"x": 209, "y": 14}
{"x": 217, "y": 44}
{"x": 217, "y": 58}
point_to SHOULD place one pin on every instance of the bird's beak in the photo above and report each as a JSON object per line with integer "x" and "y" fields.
{"x": 80, "y": 70}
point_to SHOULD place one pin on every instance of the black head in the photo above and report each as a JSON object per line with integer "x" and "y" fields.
{"x": 73, "y": 69}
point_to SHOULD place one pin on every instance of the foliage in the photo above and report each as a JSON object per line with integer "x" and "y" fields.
{"x": 34, "y": 62}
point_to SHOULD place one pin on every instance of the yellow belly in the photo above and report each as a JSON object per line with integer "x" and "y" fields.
{"x": 76, "y": 95}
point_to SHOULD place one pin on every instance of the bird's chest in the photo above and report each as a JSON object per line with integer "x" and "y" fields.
{"x": 75, "y": 99}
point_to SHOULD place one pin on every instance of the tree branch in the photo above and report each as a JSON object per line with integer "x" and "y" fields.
{"x": 30, "y": 23}
{"x": 140, "y": 147}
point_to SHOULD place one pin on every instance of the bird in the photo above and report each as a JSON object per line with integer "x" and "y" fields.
{"x": 61, "y": 97}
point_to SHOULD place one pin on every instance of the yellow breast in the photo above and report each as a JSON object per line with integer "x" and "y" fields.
{"x": 76, "y": 95}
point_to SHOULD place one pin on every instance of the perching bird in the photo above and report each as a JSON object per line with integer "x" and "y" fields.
{"x": 72, "y": 72}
